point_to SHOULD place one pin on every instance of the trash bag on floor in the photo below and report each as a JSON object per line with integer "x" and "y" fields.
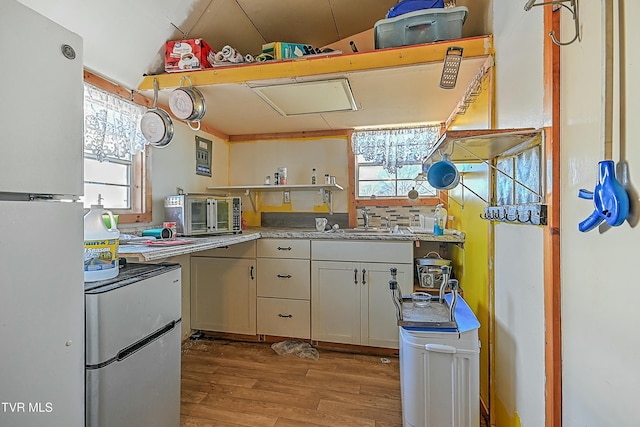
{"x": 301, "y": 348}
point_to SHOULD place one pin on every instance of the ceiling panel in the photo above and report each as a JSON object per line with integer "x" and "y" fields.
{"x": 353, "y": 17}
{"x": 236, "y": 109}
{"x": 295, "y": 21}
{"x": 225, "y": 23}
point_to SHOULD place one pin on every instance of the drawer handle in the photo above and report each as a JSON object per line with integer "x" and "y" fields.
{"x": 289, "y": 316}
{"x": 283, "y": 276}
{"x": 284, "y": 249}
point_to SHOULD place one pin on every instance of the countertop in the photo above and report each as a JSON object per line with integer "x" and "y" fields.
{"x": 143, "y": 252}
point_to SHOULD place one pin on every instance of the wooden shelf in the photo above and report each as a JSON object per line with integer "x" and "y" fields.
{"x": 288, "y": 187}
{"x": 325, "y": 189}
{"x": 318, "y": 64}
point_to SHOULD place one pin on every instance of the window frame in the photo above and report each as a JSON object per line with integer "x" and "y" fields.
{"x": 355, "y": 202}
{"x": 141, "y": 200}
{"x": 394, "y": 180}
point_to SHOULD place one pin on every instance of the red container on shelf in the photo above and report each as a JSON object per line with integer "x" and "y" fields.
{"x": 187, "y": 55}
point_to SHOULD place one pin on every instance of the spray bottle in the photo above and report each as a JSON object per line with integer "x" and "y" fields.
{"x": 439, "y": 220}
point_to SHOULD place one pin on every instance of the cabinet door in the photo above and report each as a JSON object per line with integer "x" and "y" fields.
{"x": 223, "y": 295}
{"x": 335, "y": 302}
{"x": 379, "y": 323}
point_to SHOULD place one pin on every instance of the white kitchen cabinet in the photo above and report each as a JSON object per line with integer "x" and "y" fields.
{"x": 351, "y": 300}
{"x": 284, "y": 288}
{"x": 223, "y": 290}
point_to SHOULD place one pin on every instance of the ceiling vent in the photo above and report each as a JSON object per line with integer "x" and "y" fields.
{"x": 313, "y": 97}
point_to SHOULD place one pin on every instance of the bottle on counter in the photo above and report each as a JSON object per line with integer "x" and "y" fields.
{"x": 439, "y": 220}
{"x": 100, "y": 245}
{"x": 313, "y": 176}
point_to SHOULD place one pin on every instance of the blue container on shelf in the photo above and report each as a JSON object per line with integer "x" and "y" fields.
{"x": 407, "y": 6}
{"x": 420, "y": 26}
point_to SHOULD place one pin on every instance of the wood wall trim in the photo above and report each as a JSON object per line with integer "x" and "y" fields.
{"x": 353, "y": 208}
{"x": 106, "y": 85}
{"x": 291, "y": 135}
{"x": 552, "y": 283}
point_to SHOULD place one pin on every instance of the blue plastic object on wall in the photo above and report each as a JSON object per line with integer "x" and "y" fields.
{"x": 610, "y": 199}
{"x": 407, "y": 6}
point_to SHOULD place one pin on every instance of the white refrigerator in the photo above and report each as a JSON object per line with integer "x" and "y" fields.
{"x": 41, "y": 222}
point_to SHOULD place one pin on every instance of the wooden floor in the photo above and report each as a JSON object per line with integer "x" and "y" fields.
{"x": 227, "y": 383}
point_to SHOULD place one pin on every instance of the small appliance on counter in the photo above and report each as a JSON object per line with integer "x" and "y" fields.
{"x": 203, "y": 214}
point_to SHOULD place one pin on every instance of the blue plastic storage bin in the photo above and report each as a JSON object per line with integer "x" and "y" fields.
{"x": 407, "y": 6}
{"x": 421, "y": 26}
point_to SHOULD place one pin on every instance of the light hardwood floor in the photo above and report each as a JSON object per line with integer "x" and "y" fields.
{"x": 228, "y": 383}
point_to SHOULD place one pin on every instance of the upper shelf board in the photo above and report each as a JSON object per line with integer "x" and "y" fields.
{"x": 286, "y": 187}
{"x": 391, "y": 87}
{"x": 484, "y": 145}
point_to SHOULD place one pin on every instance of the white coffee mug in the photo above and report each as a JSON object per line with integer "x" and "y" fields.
{"x": 321, "y": 223}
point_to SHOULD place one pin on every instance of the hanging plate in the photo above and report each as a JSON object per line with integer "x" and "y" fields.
{"x": 181, "y": 104}
{"x": 157, "y": 128}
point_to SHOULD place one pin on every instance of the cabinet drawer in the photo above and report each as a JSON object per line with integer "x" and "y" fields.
{"x": 361, "y": 251}
{"x": 284, "y": 278}
{"x": 238, "y": 250}
{"x": 284, "y": 317}
{"x": 284, "y": 248}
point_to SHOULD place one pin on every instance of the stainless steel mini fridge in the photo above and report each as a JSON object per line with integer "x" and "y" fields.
{"x": 133, "y": 347}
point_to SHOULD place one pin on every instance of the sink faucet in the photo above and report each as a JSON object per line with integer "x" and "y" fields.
{"x": 365, "y": 217}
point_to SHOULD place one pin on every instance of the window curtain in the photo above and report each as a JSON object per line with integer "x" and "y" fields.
{"x": 394, "y": 148}
{"x": 111, "y": 125}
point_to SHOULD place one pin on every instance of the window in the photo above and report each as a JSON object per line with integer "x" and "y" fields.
{"x": 388, "y": 161}
{"x": 520, "y": 181}
{"x": 374, "y": 180}
{"x": 115, "y": 158}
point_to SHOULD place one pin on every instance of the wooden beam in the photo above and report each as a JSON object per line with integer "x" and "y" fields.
{"x": 289, "y": 135}
{"x": 552, "y": 285}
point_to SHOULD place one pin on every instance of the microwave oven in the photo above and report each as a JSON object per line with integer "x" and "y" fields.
{"x": 202, "y": 214}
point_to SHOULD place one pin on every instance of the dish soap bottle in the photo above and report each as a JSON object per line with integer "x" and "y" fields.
{"x": 313, "y": 176}
{"x": 439, "y": 220}
{"x": 100, "y": 245}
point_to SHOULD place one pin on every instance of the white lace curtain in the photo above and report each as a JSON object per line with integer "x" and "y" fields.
{"x": 394, "y": 148}
{"x": 111, "y": 125}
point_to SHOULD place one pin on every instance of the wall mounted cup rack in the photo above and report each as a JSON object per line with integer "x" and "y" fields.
{"x": 475, "y": 147}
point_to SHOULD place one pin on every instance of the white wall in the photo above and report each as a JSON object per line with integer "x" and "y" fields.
{"x": 601, "y": 375}
{"x": 175, "y": 166}
{"x": 519, "y": 285}
{"x": 252, "y": 161}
